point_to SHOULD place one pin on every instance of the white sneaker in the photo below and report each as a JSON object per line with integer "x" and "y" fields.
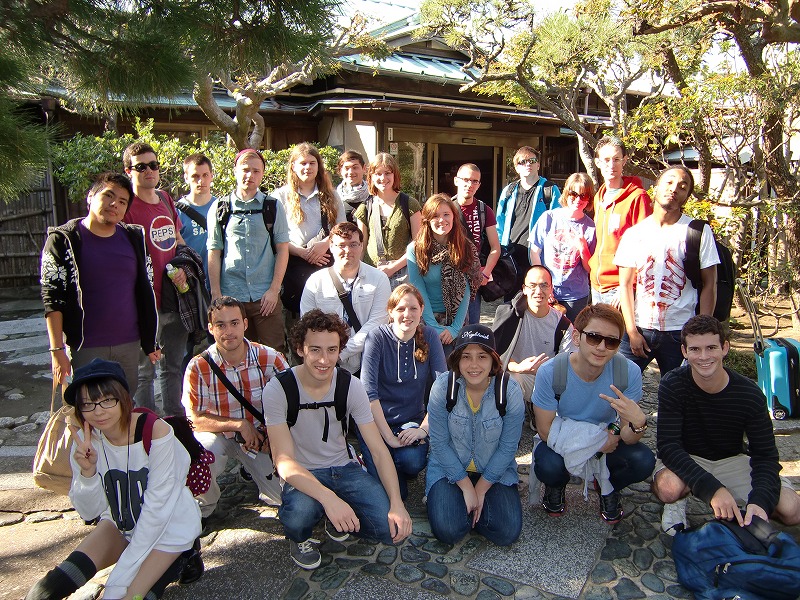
{"x": 673, "y": 519}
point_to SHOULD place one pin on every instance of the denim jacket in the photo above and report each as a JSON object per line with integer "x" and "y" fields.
{"x": 485, "y": 437}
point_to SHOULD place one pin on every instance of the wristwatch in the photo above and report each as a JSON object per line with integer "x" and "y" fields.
{"x": 638, "y": 430}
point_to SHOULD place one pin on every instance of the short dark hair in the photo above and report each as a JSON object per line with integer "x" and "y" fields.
{"x": 606, "y": 312}
{"x": 543, "y": 268}
{"x": 225, "y": 302}
{"x": 98, "y": 389}
{"x": 701, "y": 324}
{"x": 610, "y": 140}
{"x": 455, "y": 358}
{"x": 349, "y": 156}
{"x": 197, "y": 159}
{"x": 346, "y": 230}
{"x": 110, "y": 178}
{"x": 683, "y": 168}
{"x": 316, "y": 320}
{"x": 135, "y": 149}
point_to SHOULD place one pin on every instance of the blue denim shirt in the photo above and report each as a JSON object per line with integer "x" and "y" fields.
{"x": 248, "y": 263}
{"x": 485, "y": 437}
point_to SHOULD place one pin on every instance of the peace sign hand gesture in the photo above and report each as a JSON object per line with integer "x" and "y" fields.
{"x": 85, "y": 454}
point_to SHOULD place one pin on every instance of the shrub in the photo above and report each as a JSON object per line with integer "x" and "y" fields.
{"x": 743, "y": 362}
{"x": 79, "y": 159}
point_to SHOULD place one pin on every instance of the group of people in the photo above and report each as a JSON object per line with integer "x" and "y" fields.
{"x": 330, "y": 306}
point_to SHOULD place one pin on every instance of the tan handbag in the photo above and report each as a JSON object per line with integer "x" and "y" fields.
{"x": 51, "y": 467}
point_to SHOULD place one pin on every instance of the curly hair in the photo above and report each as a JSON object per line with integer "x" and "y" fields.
{"x": 701, "y": 324}
{"x": 457, "y": 241}
{"x": 388, "y": 161}
{"x": 327, "y": 196}
{"x": 316, "y": 320}
{"x": 423, "y": 348}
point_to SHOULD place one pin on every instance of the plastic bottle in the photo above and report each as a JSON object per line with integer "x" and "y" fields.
{"x": 171, "y": 272}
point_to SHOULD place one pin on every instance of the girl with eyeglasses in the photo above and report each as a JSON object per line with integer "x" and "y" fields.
{"x": 148, "y": 518}
{"x": 443, "y": 265}
{"x": 389, "y": 219}
{"x": 564, "y": 240}
{"x": 400, "y": 361}
{"x": 312, "y": 208}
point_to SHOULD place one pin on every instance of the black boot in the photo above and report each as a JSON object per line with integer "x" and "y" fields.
{"x": 194, "y": 567}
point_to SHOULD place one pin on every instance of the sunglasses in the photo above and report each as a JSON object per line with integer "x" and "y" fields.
{"x": 142, "y": 167}
{"x": 572, "y": 194}
{"x": 528, "y": 161}
{"x": 594, "y": 339}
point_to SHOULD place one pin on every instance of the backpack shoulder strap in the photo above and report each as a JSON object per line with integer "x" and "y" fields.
{"x": 192, "y": 213}
{"x": 561, "y": 329}
{"x": 452, "y": 391}
{"x": 691, "y": 261}
{"x": 346, "y": 299}
{"x": 289, "y": 384}
{"x": 144, "y": 428}
{"x": 269, "y": 211}
{"x": 620, "y": 376}
{"x": 501, "y": 392}
{"x": 404, "y": 206}
{"x": 223, "y": 213}
{"x": 343, "y": 378}
{"x": 547, "y": 194}
{"x": 560, "y": 363}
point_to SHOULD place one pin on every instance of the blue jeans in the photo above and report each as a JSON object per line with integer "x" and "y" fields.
{"x": 628, "y": 464}
{"x": 172, "y": 337}
{"x": 599, "y": 297}
{"x": 408, "y": 461}
{"x": 299, "y": 513}
{"x": 474, "y": 311}
{"x": 574, "y": 307}
{"x": 500, "y": 521}
{"x": 665, "y": 348}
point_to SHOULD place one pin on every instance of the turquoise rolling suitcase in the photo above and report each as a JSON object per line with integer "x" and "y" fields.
{"x": 777, "y": 365}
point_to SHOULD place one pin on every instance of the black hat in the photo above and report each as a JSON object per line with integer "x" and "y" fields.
{"x": 475, "y": 334}
{"x": 97, "y": 369}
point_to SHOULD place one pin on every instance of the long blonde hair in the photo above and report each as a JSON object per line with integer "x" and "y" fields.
{"x": 327, "y": 197}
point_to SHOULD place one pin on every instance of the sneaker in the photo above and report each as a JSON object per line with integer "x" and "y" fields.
{"x": 334, "y": 534}
{"x": 673, "y": 519}
{"x": 611, "y": 508}
{"x": 553, "y": 500}
{"x": 305, "y": 554}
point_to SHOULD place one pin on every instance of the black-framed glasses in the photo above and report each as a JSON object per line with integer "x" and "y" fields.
{"x": 528, "y": 161}
{"x": 470, "y": 181}
{"x": 106, "y": 403}
{"x": 594, "y": 339}
{"x": 142, "y": 167}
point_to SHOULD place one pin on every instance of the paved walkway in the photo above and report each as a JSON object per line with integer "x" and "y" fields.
{"x": 246, "y": 555}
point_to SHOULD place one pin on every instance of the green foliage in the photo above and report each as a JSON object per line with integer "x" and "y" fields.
{"x": 743, "y": 362}
{"x": 78, "y": 160}
{"x": 23, "y": 151}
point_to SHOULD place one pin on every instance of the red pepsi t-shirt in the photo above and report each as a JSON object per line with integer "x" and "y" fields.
{"x": 472, "y": 216}
{"x": 160, "y": 232}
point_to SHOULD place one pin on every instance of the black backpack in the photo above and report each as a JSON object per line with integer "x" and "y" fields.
{"x": 191, "y": 212}
{"x": 288, "y": 382}
{"x": 268, "y": 210}
{"x": 726, "y": 270}
{"x": 500, "y": 392}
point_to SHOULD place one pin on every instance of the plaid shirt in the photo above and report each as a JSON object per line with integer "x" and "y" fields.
{"x": 204, "y": 392}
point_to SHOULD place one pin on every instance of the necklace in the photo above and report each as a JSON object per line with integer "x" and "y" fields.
{"x": 119, "y": 518}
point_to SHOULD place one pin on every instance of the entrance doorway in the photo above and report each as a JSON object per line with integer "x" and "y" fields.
{"x": 452, "y": 156}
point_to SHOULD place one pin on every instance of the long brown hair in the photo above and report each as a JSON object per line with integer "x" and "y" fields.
{"x": 457, "y": 241}
{"x": 383, "y": 159}
{"x": 327, "y": 197}
{"x": 421, "y": 353}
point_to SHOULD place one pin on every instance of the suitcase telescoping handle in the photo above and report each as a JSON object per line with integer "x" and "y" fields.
{"x": 744, "y": 294}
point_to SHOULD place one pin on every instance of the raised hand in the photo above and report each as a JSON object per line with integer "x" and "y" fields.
{"x": 85, "y": 454}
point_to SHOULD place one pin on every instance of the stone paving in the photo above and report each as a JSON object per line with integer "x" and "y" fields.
{"x": 246, "y": 555}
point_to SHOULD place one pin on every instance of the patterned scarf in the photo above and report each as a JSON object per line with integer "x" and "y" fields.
{"x": 353, "y": 195}
{"x": 454, "y": 284}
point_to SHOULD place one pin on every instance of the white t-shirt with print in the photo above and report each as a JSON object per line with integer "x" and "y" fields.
{"x": 665, "y": 298}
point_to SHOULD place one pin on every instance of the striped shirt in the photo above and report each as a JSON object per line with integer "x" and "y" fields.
{"x": 713, "y": 426}
{"x": 204, "y": 392}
